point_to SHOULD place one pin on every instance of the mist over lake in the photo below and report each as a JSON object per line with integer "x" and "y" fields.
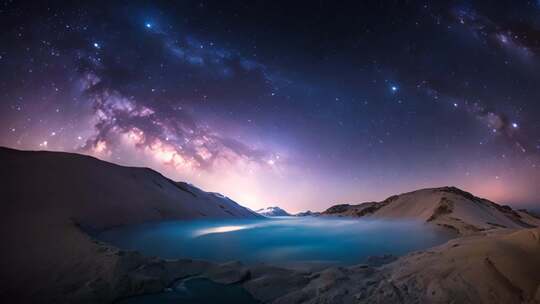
{"x": 286, "y": 241}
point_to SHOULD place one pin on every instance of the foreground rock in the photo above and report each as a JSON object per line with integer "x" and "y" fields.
{"x": 448, "y": 207}
{"x": 498, "y": 267}
{"x": 502, "y": 266}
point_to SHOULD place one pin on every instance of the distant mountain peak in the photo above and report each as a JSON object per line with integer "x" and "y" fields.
{"x": 308, "y": 213}
{"x": 272, "y": 211}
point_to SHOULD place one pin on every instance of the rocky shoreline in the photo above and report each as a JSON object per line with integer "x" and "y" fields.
{"x": 469, "y": 269}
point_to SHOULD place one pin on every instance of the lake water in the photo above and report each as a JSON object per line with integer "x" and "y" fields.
{"x": 305, "y": 242}
{"x": 196, "y": 291}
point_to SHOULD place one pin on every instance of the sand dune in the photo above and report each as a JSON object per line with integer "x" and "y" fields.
{"x": 447, "y": 206}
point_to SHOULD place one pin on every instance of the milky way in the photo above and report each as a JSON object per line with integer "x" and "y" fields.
{"x": 270, "y": 103}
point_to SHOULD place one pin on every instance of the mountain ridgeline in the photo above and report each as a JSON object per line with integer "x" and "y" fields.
{"x": 448, "y": 207}
{"x": 100, "y": 194}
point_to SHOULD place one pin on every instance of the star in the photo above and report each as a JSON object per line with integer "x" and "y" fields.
{"x": 193, "y": 95}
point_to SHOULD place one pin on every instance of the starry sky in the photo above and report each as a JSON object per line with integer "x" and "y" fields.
{"x": 301, "y": 105}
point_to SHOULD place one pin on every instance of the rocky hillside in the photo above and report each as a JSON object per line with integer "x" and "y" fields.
{"x": 272, "y": 211}
{"x": 449, "y": 207}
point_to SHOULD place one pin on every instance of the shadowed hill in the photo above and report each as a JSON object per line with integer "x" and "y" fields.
{"x": 101, "y": 194}
{"x": 46, "y": 196}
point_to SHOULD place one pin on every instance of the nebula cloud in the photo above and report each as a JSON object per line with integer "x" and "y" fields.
{"x": 173, "y": 137}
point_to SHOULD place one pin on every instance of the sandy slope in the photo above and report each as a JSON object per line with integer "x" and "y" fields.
{"x": 503, "y": 267}
{"x": 101, "y": 194}
{"x": 46, "y": 195}
{"x": 447, "y": 206}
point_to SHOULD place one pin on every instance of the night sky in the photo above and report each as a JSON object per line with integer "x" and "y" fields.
{"x": 299, "y": 105}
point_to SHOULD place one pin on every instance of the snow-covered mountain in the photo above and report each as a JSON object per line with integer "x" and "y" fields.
{"x": 272, "y": 211}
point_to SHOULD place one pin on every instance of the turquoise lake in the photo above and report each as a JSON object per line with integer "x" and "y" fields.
{"x": 296, "y": 242}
